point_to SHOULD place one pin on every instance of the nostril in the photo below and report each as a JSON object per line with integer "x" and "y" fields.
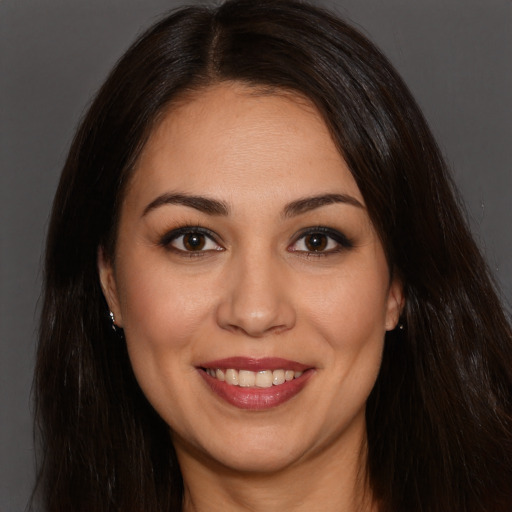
{"x": 255, "y": 307}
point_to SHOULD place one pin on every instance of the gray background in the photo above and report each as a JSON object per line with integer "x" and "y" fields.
{"x": 456, "y": 55}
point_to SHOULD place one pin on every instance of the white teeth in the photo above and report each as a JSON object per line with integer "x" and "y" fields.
{"x": 278, "y": 377}
{"x": 231, "y": 377}
{"x": 264, "y": 379}
{"x": 249, "y": 379}
{"x": 246, "y": 379}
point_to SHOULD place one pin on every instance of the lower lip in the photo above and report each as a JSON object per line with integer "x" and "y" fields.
{"x": 257, "y": 398}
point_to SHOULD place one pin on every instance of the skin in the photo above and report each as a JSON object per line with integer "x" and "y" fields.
{"x": 255, "y": 290}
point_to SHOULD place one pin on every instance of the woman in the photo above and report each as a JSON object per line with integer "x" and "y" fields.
{"x": 260, "y": 291}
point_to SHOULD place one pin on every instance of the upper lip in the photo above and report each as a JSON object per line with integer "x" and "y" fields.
{"x": 256, "y": 364}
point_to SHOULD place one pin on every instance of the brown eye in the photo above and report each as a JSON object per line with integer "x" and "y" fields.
{"x": 316, "y": 242}
{"x": 190, "y": 240}
{"x": 321, "y": 241}
{"x": 194, "y": 241}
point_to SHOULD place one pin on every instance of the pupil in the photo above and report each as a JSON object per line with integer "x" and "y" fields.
{"x": 316, "y": 242}
{"x": 194, "y": 241}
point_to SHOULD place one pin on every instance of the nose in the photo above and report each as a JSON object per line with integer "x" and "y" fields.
{"x": 256, "y": 299}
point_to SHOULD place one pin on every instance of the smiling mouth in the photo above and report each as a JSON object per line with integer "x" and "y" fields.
{"x": 250, "y": 379}
{"x": 255, "y": 384}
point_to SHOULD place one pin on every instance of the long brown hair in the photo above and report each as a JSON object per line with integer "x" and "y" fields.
{"x": 439, "y": 419}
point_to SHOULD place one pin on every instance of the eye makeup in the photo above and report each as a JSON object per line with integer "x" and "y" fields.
{"x": 320, "y": 241}
{"x": 196, "y": 240}
{"x": 191, "y": 240}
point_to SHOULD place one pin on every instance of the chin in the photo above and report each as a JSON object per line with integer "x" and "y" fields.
{"x": 257, "y": 461}
{"x": 261, "y": 452}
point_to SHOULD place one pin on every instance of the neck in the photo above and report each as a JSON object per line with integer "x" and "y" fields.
{"x": 331, "y": 481}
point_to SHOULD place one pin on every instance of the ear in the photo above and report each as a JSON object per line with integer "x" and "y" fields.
{"x": 108, "y": 285}
{"x": 395, "y": 303}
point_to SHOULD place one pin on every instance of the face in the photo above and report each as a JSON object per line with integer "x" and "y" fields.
{"x": 253, "y": 290}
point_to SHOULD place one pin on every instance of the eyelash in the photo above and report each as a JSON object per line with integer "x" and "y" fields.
{"x": 173, "y": 235}
{"x": 341, "y": 241}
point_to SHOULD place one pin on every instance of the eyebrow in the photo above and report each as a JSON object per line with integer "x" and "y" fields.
{"x": 311, "y": 203}
{"x": 216, "y": 207}
{"x": 203, "y": 204}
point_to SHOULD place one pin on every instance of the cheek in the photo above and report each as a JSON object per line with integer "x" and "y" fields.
{"x": 162, "y": 317}
{"x": 161, "y": 313}
{"x": 351, "y": 309}
{"x": 350, "y": 315}
{"x": 353, "y": 323}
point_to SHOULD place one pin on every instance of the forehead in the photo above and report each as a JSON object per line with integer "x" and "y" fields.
{"x": 232, "y": 139}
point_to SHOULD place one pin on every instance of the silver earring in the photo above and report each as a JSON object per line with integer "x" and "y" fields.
{"x": 401, "y": 326}
{"x": 114, "y": 326}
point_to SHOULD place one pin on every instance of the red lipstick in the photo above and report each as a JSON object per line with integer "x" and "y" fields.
{"x": 256, "y": 365}
{"x": 254, "y": 398}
